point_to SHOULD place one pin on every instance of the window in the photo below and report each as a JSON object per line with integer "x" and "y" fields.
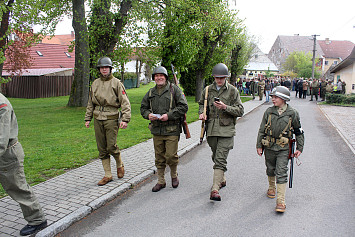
{"x": 68, "y": 55}
{"x": 39, "y": 53}
{"x": 326, "y": 63}
{"x": 335, "y": 62}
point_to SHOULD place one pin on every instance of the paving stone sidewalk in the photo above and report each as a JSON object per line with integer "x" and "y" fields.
{"x": 343, "y": 119}
{"x": 72, "y": 196}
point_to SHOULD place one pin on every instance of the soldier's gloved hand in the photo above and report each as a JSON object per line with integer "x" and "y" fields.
{"x": 164, "y": 117}
{"x": 123, "y": 125}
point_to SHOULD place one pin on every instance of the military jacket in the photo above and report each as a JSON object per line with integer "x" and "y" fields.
{"x": 261, "y": 85}
{"x": 106, "y": 96}
{"x": 172, "y": 102}
{"x": 219, "y": 122}
{"x": 8, "y": 131}
{"x": 315, "y": 85}
{"x": 252, "y": 86}
{"x": 278, "y": 124}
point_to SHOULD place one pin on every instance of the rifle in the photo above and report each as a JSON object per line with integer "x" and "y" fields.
{"x": 291, "y": 157}
{"x": 183, "y": 119}
{"x": 203, "y": 124}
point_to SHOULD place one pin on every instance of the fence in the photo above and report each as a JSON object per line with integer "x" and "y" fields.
{"x": 31, "y": 87}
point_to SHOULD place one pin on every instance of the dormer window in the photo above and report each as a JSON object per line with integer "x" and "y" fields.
{"x": 68, "y": 55}
{"x": 39, "y": 53}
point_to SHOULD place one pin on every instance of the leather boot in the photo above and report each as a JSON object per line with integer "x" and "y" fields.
{"x": 120, "y": 166}
{"x": 271, "y": 192}
{"x": 174, "y": 178}
{"x": 280, "y": 201}
{"x": 161, "y": 180}
{"x": 106, "y": 163}
{"x": 31, "y": 229}
{"x": 120, "y": 172}
{"x": 215, "y": 196}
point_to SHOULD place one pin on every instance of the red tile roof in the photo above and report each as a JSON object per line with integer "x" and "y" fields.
{"x": 336, "y": 48}
{"x": 54, "y": 56}
{"x": 59, "y": 39}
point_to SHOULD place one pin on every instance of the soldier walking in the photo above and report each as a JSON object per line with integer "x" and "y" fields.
{"x": 164, "y": 105}
{"x": 323, "y": 91}
{"x": 261, "y": 88}
{"x": 223, "y": 106}
{"x": 277, "y": 127}
{"x": 252, "y": 88}
{"x": 107, "y": 96}
{"x": 12, "y": 175}
{"x": 315, "y": 89}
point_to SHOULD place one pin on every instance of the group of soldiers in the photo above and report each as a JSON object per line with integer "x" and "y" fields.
{"x": 163, "y": 105}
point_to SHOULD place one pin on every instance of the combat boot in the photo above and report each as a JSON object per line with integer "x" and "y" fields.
{"x": 215, "y": 196}
{"x": 32, "y": 229}
{"x": 271, "y": 192}
{"x": 217, "y": 180}
{"x": 174, "y": 176}
{"x": 280, "y": 201}
{"x": 120, "y": 166}
{"x": 106, "y": 163}
{"x": 161, "y": 180}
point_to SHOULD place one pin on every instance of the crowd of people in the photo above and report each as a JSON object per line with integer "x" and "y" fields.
{"x": 302, "y": 86}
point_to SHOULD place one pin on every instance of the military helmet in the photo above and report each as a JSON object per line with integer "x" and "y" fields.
{"x": 282, "y": 92}
{"x": 160, "y": 70}
{"x": 220, "y": 70}
{"x": 104, "y": 62}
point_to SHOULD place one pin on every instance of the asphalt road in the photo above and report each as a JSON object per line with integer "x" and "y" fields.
{"x": 321, "y": 202}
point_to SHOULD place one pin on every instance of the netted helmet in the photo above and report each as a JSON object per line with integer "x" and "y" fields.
{"x": 104, "y": 62}
{"x": 160, "y": 70}
{"x": 220, "y": 70}
{"x": 282, "y": 92}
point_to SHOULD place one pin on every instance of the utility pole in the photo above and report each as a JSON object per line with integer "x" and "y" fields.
{"x": 314, "y": 53}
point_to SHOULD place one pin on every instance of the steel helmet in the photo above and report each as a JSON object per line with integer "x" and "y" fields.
{"x": 104, "y": 62}
{"x": 160, "y": 70}
{"x": 282, "y": 92}
{"x": 220, "y": 70}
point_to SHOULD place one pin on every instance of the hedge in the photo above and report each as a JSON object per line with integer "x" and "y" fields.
{"x": 340, "y": 99}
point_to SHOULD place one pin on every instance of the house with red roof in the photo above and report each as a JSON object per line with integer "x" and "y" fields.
{"x": 334, "y": 51}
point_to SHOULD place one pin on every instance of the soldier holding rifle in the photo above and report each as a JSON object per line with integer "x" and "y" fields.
{"x": 164, "y": 105}
{"x": 277, "y": 127}
{"x": 223, "y": 106}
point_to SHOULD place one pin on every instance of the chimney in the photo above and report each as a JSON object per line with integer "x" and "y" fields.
{"x": 327, "y": 41}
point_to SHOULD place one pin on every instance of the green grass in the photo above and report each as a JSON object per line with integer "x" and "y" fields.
{"x": 55, "y": 139}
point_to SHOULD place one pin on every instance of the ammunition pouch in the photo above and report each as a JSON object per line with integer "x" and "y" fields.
{"x": 282, "y": 142}
{"x": 265, "y": 143}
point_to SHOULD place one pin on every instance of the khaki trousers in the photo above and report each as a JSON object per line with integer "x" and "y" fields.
{"x": 166, "y": 148}
{"x": 13, "y": 180}
{"x": 106, "y": 138}
{"x": 277, "y": 164}
{"x": 220, "y": 147}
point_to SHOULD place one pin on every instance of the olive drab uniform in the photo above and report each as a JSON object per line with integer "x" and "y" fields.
{"x": 252, "y": 88}
{"x": 261, "y": 88}
{"x": 220, "y": 126}
{"x": 323, "y": 90}
{"x": 315, "y": 89}
{"x": 12, "y": 175}
{"x": 107, "y": 96}
{"x": 171, "y": 101}
{"x": 276, "y": 129}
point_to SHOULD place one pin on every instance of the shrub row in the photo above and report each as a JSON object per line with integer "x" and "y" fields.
{"x": 340, "y": 99}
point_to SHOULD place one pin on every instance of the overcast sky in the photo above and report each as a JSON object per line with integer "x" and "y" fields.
{"x": 266, "y": 19}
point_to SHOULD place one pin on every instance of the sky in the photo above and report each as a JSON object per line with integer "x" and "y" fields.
{"x": 266, "y": 19}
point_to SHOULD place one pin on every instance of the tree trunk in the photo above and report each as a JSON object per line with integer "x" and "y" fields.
{"x": 80, "y": 88}
{"x": 200, "y": 81}
{"x": 4, "y": 26}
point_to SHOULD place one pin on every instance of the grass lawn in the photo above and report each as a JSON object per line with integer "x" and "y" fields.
{"x": 55, "y": 139}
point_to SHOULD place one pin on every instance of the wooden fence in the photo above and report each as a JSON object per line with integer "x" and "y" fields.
{"x": 31, "y": 87}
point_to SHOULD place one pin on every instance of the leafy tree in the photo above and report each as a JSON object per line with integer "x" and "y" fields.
{"x": 301, "y": 64}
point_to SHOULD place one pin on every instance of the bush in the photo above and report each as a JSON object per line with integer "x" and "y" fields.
{"x": 340, "y": 99}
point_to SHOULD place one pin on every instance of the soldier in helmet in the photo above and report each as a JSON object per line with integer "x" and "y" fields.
{"x": 277, "y": 127}
{"x": 261, "y": 88}
{"x": 223, "y": 108}
{"x": 164, "y": 105}
{"x": 107, "y": 96}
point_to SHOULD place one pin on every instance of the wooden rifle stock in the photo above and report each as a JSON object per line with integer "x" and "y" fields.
{"x": 183, "y": 120}
{"x": 203, "y": 124}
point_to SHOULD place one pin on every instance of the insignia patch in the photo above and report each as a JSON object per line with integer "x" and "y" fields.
{"x": 123, "y": 92}
{"x": 3, "y": 105}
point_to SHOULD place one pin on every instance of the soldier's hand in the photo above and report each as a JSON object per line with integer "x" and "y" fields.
{"x": 123, "y": 125}
{"x": 87, "y": 124}
{"x": 297, "y": 153}
{"x": 220, "y": 105}
{"x": 259, "y": 151}
{"x": 164, "y": 117}
{"x": 202, "y": 117}
{"x": 152, "y": 117}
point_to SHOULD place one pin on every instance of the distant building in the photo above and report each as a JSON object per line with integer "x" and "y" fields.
{"x": 334, "y": 51}
{"x": 259, "y": 64}
{"x": 345, "y": 71}
{"x": 285, "y": 45}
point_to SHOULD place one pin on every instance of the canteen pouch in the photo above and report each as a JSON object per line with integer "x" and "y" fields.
{"x": 265, "y": 142}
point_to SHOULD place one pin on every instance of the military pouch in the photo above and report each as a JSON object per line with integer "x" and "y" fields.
{"x": 265, "y": 143}
{"x": 171, "y": 128}
{"x": 282, "y": 142}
